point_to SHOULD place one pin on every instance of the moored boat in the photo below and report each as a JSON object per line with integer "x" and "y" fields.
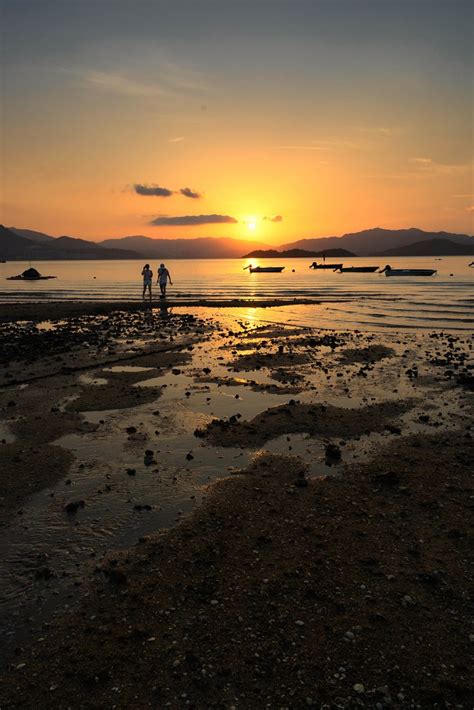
{"x": 315, "y": 265}
{"x": 356, "y": 269}
{"x": 388, "y": 271}
{"x": 264, "y": 269}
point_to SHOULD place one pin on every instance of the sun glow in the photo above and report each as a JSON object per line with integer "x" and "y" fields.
{"x": 252, "y": 224}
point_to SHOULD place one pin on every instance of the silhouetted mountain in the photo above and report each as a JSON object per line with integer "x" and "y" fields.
{"x": 197, "y": 248}
{"x": 295, "y": 253}
{"x": 31, "y": 234}
{"x": 372, "y": 241}
{"x": 432, "y": 247}
{"x": 14, "y": 247}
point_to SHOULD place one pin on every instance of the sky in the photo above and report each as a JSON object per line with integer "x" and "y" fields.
{"x": 270, "y": 120}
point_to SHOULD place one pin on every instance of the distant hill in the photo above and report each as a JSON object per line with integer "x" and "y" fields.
{"x": 31, "y": 234}
{"x": 372, "y": 241}
{"x": 295, "y": 253}
{"x": 197, "y": 248}
{"x": 14, "y": 247}
{"x": 432, "y": 247}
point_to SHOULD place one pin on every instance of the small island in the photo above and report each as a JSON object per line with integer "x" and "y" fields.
{"x": 296, "y": 253}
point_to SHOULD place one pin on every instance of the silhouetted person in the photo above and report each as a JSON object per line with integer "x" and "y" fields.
{"x": 163, "y": 278}
{"x": 147, "y": 274}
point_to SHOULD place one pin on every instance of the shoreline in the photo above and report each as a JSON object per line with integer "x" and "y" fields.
{"x": 276, "y": 580}
{"x": 44, "y": 309}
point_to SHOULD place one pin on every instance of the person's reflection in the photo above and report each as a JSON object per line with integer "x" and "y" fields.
{"x": 148, "y": 317}
{"x": 165, "y": 311}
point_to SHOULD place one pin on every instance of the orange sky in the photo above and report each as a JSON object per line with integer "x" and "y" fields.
{"x": 304, "y": 115}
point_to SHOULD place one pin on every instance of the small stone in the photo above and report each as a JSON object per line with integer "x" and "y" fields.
{"x": 359, "y": 688}
{"x": 74, "y": 506}
{"x": 299, "y": 623}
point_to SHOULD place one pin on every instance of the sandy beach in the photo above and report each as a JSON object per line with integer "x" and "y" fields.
{"x": 204, "y": 509}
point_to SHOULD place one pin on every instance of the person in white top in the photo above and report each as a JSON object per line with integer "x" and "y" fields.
{"x": 147, "y": 274}
{"x": 163, "y": 278}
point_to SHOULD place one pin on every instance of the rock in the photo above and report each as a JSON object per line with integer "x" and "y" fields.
{"x": 131, "y": 472}
{"x": 301, "y": 483}
{"x": 333, "y": 452}
{"x": 74, "y": 506}
{"x": 359, "y": 688}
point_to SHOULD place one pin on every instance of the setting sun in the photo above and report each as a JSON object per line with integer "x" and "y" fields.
{"x": 252, "y": 224}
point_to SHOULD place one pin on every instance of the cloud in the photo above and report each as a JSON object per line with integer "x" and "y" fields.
{"x": 187, "y": 192}
{"x": 192, "y": 220}
{"x": 152, "y": 190}
{"x": 428, "y": 166}
{"x": 275, "y": 218}
{"x": 178, "y": 139}
{"x": 119, "y": 84}
{"x": 301, "y": 147}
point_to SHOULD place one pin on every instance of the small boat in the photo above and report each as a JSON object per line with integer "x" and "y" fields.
{"x": 315, "y": 265}
{"x": 29, "y": 275}
{"x": 264, "y": 269}
{"x": 357, "y": 269}
{"x": 388, "y": 271}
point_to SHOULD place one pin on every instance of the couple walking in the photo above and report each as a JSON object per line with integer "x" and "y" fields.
{"x": 162, "y": 280}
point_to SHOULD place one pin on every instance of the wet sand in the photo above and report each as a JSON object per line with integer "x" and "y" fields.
{"x": 279, "y": 589}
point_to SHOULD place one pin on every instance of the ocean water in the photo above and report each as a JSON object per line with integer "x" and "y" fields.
{"x": 445, "y": 300}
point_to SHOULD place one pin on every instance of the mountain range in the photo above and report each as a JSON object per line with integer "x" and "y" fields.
{"x": 198, "y": 248}
{"x": 27, "y": 244}
{"x": 16, "y": 246}
{"x": 371, "y": 242}
{"x": 296, "y": 253}
{"x": 431, "y": 247}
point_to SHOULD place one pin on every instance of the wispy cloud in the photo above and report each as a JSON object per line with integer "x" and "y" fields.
{"x": 422, "y": 167}
{"x": 428, "y": 166}
{"x": 178, "y": 139}
{"x": 181, "y": 77}
{"x": 187, "y": 192}
{"x": 152, "y": 190}
{"x": 174, "y": 78}
{"x": 192, "y": 220}
{"x": 119, "y": 84}
{"x": 275, "y": 218}
{"x": 323, "y": 145}
{"x": 377, "y": 130}
{"x": 301, "y": 147}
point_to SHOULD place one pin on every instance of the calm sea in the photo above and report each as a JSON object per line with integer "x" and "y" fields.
{"x": 445, "y": 300}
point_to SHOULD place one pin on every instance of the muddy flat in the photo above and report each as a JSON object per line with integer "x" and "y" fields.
{"x": 204, "y": 512}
